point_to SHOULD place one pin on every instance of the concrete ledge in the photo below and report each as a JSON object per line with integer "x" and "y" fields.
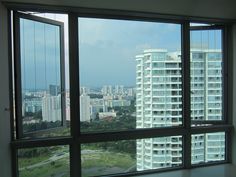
{"x": 226, "y": 170}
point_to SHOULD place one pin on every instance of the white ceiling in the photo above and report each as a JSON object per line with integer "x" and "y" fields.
{"x": 196, "y": 8}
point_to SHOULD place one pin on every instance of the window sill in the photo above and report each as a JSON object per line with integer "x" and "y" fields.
{"x": 225, "y": 170}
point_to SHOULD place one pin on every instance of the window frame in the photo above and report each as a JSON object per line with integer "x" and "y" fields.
{"x": 225, "y": 118}
{"x": 17, "y": 71}
{"x": 77, "y": 138}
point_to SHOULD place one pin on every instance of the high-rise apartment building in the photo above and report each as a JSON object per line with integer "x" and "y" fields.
{"x": 206, "y": 103}
{"x": 51, "y": 108}
{"x": 107, "y": 90}
{"x": 84, "y": 108}
{"x": 32, "y": 105}
{"x": 159, "y": 104}
{"x": 119, "y": 89}
{"x": 54, "y": 90}
{"x": 84, "y": 91}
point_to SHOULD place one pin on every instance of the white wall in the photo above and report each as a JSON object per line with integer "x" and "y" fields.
{"x": 5, "y": 163}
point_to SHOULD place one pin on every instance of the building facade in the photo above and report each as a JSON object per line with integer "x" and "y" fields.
{"x": 51, "y": 108}
{"x": 84, "y": 108}
{"x": 206, "y": 103}
{"x": 159, "y": 104}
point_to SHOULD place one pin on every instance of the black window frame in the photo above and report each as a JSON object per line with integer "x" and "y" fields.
{"x": 77, "y": 138}
{"x": 224, "y": 74}
{"x": 17, "y": 71}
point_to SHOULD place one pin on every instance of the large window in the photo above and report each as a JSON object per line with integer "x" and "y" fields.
{"x": 40, "y": 93}
{"x": 129, "y": 83}
{"x": 97, "y": 94}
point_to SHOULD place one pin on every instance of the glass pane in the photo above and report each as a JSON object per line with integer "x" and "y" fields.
{"x": 130, "y": 74}
{"x": 44, "y": 162}
{"x": 130, "y": 155}
{"x": 44, "y": 98}
{"x": 208, "y": 147}
{"x": 206, "y": 75}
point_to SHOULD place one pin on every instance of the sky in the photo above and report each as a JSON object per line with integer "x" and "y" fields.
{"x": 107, "y": 49}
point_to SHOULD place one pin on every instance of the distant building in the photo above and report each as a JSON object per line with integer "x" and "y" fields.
{"x": 84, "y": 91}
{"x": 108, "y": 115}
{"x": 110, "y": 92}
{"x": 97, "y": 105}
{"x": 54, "y": 90}
{"x": 84, "y": 108}
{"x": 107, "y": 90}
{"x": 30, "y": 120}
{"x": 131, "y": 92}
{"x": 117, "y": 103}
{"x": 67, "y": 105}
{"x": 51, "y": 108}
{"x": 119, "y": 90}
{"x": 104, "y": 90}
{"x": 31, "y": 105}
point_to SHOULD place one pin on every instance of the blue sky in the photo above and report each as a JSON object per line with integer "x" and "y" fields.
{"x": 107, "y": 49}
{"x": 40, "y": 55}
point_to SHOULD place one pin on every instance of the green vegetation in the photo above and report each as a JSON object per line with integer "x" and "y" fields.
{"x": 110, "y": 157}
{"x": 59, "y": 168}
{"x": 124, "y": 146}
{"x": 36, "y": 115}
{"x": 44, "y": 162}
{"x": 125, "y": 120}
{"x": 99, "y": 162}
{"x": 92, "y": 95}
{"x": 97, "y": 158}
{"x": 42, "y": 125}
{"x": 122, "y": 123}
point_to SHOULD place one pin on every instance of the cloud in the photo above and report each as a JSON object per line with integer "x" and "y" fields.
{"x": 108, "y": 47}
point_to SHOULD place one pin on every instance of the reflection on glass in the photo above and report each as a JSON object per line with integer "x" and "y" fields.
{"x": 130, "y": 74}
{"x": 200, "y": 24}
{"x": 208, "y": 147}
{"x": 44, "y": 162}
{"x": 206, "y": 75}
{"x": 127, "y": 156}
{"x": 40, "y": 75}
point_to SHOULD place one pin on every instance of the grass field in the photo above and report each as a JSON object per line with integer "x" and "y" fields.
{"x": 58, "y": 169}
{"x": 102, "y": 162}
{"x": 94, "y": 162}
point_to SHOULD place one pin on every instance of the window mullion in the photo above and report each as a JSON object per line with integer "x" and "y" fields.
{"x": 227, "y": 75}
{"x": 186, "y": 94}
{"x": 74, "y": 96}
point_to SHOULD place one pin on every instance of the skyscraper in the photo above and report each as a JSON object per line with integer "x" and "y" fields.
{"x": 54, "y": 90}
{"x": 159, "y": 104}
{"x": 206, "y": 103}
{"x": 84, "y": 108}
{"x": 51, "y": 108}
